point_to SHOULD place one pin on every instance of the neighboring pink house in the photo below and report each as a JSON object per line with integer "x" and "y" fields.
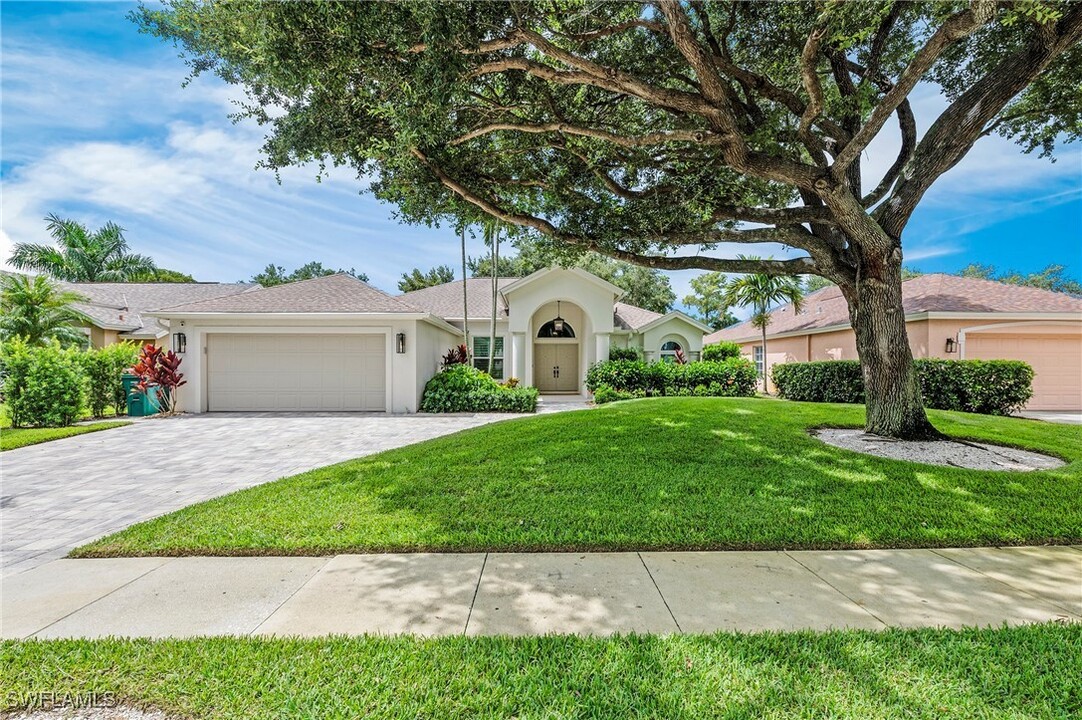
{"x": 946, "y": 317}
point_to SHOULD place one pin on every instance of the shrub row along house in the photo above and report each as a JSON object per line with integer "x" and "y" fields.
{"x": 947, "y": 317}
{"x": 337, "y": 343}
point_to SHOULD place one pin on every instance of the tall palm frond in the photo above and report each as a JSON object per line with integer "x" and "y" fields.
{"x": 81, "y": 255}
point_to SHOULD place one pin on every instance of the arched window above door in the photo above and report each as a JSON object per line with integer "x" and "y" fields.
{"x": 548, "y": 330}
{"x": 669, "y": 349}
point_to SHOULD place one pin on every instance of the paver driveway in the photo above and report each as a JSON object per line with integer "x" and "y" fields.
{"x": 58, "y": 495}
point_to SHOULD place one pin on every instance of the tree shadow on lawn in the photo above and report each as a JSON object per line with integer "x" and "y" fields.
{"x": 917, "y": 674}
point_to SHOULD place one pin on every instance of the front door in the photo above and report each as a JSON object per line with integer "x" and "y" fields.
{"x": 556, "y": 367}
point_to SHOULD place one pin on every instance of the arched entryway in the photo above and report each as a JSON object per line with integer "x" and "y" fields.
{"x": 557, "y": 349}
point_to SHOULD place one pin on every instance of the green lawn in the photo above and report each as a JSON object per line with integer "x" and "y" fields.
{"x": 11, "y": 438}
{"x": 679, "y": 473}
{"x": 1028, "y": 672}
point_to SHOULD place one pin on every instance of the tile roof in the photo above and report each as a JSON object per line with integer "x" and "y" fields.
{"x": 119, "y": 306}
{"x": 630, "y": 317}
{"x": 927, "y": 293}
{"x": 339, "y": 293}
{"x": 445, "y": 300}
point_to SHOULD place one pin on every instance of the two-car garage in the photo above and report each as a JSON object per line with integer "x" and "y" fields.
{"x": 296, "y": 372}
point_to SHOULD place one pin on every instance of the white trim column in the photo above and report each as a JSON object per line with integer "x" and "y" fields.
{"x": 603, "y": 342}
{"x": 518, "y": 358}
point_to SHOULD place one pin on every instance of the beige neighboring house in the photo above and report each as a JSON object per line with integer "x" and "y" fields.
{"x": 338, "y": 344}
{"x": 946, "y": 317}
{"x": 114, "y": 312}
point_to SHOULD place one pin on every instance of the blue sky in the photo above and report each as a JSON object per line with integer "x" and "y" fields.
{"x": 96, "y": 126}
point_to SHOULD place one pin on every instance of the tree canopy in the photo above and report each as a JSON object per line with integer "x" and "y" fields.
{"x": 641, "y": 130}
{"x": 276, "y": 274}
{"x": 82, "y": 255}
{"x": 710, "y": 300}
{"x": 418, "y": 280}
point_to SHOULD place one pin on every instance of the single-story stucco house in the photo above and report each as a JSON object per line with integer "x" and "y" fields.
{"x": 113, "y": 312}
{"x": 946, "y": 317}
{"x": 338, "y": 344}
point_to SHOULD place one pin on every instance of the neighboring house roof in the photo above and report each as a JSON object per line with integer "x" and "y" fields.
{"x": 936, "y": 293}
{"x": 339, "y": 293}
{"x": 120, "y": 306}
{"x": 630, "y": 317}
{"x": 445, "y": 300}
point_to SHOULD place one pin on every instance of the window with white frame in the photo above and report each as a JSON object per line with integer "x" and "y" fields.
{"x": 669, "y": 350}
{"x": 480, "y": 355}
{"x": 759, "y": 360}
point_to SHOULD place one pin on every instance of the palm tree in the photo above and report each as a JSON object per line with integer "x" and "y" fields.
{"x": 82, "y": 255}
{"x": 760, "y": 292}
{"x": 35, "y": 309}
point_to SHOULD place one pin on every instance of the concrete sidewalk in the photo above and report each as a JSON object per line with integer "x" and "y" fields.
{"x": 536, "y": 593}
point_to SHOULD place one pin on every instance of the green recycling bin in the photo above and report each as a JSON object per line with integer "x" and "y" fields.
{"x": 140, "y": 404}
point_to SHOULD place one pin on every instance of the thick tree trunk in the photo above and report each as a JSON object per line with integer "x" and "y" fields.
{"x": 891, "y": 388}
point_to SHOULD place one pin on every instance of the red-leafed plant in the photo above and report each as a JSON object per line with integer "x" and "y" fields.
{"x": 679, "y": 357}
{"x": 158, "y": 371}
{"x": 456, "y": 356}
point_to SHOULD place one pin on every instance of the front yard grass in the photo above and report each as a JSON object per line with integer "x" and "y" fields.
{"x": 11, "y": 438}
{"x": 1029, "y": 672}
{"x": 665, "y": 473}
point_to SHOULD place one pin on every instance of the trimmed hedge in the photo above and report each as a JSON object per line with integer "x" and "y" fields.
{"x": 104, "y": 370}
{"x": 721, "y": 351}
{"x": 988, "y": 387}
{"x": 463, "y": 388}
{"x": 625, "y": 379}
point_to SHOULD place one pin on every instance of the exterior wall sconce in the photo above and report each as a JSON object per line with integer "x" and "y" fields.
{"x": 951, "y": 345}
{"x": 180, "y": 343}
{"x": 558, "y": 322}
{"x": 400, "y": 343}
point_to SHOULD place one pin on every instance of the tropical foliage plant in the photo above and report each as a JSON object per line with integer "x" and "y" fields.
{"x": 35, "y": 309}
{"x": 159, "y": 372}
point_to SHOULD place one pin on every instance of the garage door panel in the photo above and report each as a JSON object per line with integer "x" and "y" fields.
{"x": 1056, "y": 363}
{"x": 267, "y": 372}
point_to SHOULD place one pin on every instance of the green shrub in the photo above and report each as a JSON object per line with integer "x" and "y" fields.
{"x": 728, "y": 378}
{"x": 605, "y": 394}
{"x": 836, "y": 381}
{"x": 44, "y": 385}
{"x": 463, "y": 388}
{"x": 721, "y": 351}
{"x": 623, "y": 353}
{"x": 989, "y": 387}
{"x": 104, "y": 368}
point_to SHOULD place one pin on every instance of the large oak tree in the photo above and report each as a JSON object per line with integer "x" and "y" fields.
{"x": 652, "y": 132}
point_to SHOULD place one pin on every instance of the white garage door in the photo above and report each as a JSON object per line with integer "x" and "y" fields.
{"x": 296, "y": 372}
{"x": 1056, "y": 361}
